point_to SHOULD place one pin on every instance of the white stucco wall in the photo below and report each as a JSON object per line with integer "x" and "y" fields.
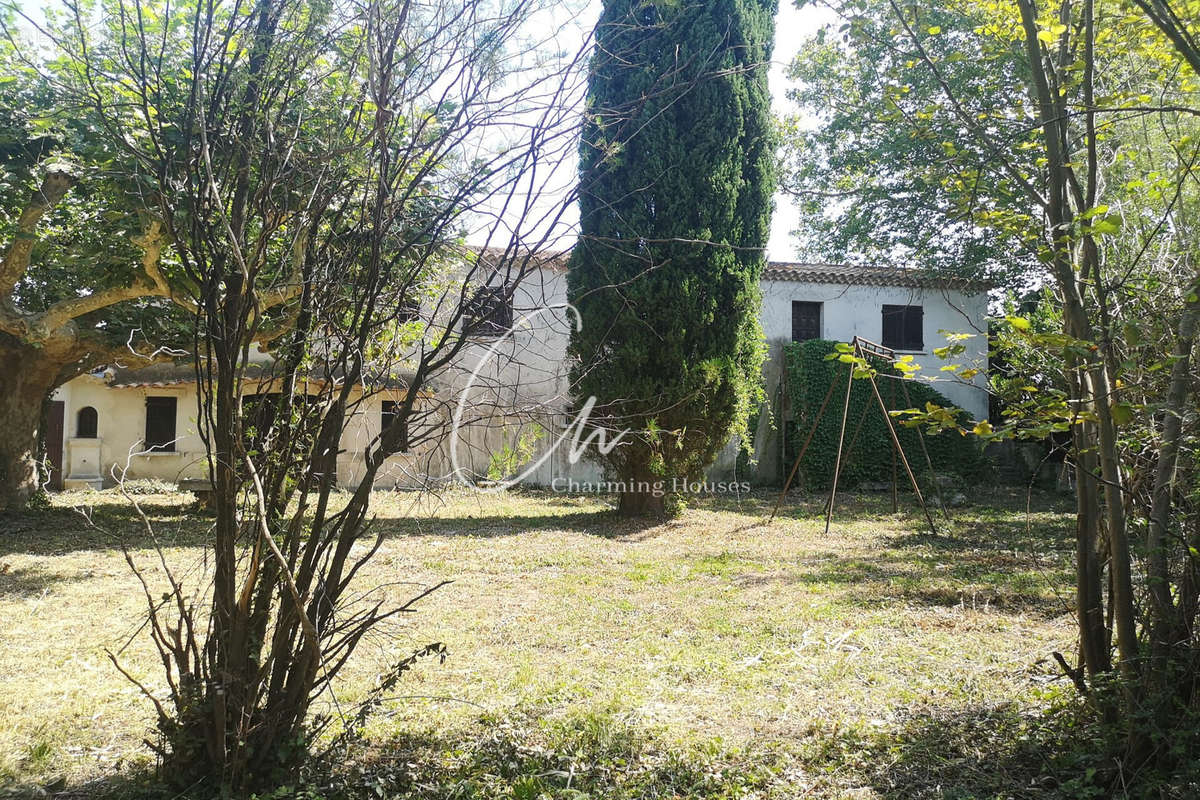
{"x": 849, "y": 311}
{"x": 121, "y": 426}
{"x": 517, "y": 387}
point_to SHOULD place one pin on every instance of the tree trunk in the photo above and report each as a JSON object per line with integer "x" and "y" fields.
{"x": 1095, "y": 382}
{"x": 26, "y": 378}
{"x": 638, "y": 503}
{"x": 1089, "y": 586}
{"x": 1163, "y": 628}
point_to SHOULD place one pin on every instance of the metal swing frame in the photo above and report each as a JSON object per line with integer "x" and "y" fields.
{"x": 863, "y": 349}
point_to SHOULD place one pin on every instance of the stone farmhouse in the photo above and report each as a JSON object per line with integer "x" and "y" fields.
{"x": 141, "y": 422}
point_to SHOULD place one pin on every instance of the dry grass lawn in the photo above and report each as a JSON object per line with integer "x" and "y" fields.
{"x": 724, "y": 656}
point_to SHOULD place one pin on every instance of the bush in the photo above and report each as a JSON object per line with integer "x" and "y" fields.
{"x": 870, "y": 459}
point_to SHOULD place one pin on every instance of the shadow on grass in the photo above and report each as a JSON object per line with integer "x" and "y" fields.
{"x": 995, "y": 525}
{"x": 992, "y": 557}
{"x": 959, "y": 753}
{"x": 31, "y": 582}
{"x": 927, "y": 753}
{"x": 973, "y": 752}
{"x": 977, "y": 752}
{"x": 107, "y": 523}
{"x": 1012, "y": 533}
{"x": 947, "y": 754}
{"x": 583, "y": 755}
{"x": 604, "y": 523}
{"x": 110, "y": 522}
{"x": 891, "y": 581}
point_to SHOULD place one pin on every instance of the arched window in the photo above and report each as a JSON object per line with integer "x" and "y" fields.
{"x": 85, "y": 423}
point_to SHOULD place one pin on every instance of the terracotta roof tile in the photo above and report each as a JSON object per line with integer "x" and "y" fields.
{"x": 805, "y": 272}
{"x": 852, "y": 275}
{"x": 183, "y": 372}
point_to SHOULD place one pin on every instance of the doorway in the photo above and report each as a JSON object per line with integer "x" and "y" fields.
{"x": 55, "y": 415}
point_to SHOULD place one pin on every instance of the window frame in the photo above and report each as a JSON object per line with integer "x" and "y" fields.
{"x": 820, "y": 315}
{"x": 168, "y": 443}
{"x": 482, "y": 310}
{"x": 911, "y": 317}
{"x": 388, "y": 410}
{"x": 83, "y": 431}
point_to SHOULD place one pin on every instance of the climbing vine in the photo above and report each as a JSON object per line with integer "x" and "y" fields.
{"x": 811, "y": 367}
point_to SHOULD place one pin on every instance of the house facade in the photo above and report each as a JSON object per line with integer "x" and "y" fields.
{"x": 503, "y": 401}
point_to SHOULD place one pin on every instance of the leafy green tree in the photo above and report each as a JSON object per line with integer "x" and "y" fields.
{"x": 676, "y": 178}
{"x": 85, "y": 279}
{"x": 876, "y": 163}
{"x": 1078, "y": 147}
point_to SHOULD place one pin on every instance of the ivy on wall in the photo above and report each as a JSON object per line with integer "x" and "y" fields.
{"x": 809, "y": 374}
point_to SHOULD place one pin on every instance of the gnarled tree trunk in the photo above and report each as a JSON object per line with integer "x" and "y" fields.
{"x": 642, "y": 495}
{"x": 27, "y": 376}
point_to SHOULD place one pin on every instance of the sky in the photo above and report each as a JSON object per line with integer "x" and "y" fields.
{"x": 569, "y": 23}
{"x": 792, "y": 27}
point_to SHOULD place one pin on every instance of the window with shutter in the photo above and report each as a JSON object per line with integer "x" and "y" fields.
{"x": 489, "y": 312}
{"x": 160, "y": 424}
{"x": 806, "y": 320}
{"x": 904, "y": 327}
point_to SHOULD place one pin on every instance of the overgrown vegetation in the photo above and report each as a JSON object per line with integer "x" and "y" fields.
{"x": 83, "y": 278}
{"x": 811, "y": 372}
{"x": 310, "y": 171}
{"x": 710, "y": 656}
{"x": 1053, "y": 144}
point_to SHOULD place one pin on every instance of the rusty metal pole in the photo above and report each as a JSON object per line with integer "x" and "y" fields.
{"x": 895, "y": 488}
{"x": 903, "y": 458}
{"x": 804, "y": 447}
{"x": 928, "y": 461}
{"x": 837, "y": 465}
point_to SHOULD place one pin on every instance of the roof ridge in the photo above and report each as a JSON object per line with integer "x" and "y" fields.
{"x": 860, "y": 274}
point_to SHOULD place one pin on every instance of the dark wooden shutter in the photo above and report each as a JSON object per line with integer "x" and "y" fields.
{"x": 490, "y": 312}
{"x": 904, "y": 327}
{"x": 160, "y": 423}
{"x": 893, "y": 326}
{"x": 806, "y": 320}
{"x": 55, "y": 423}
{"x": 914, "y": 328}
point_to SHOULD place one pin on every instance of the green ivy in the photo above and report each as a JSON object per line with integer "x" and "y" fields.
{"x": 809, "y": 373}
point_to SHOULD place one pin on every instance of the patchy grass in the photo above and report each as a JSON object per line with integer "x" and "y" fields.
{"x": 708, "y": 656}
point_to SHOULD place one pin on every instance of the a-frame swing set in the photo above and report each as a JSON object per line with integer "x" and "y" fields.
{"x": 863, "y": 349}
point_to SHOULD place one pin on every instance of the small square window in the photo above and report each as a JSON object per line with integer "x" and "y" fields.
{"x": 388, "y": 414}
{"x": 86, "y": 423}
{"x": 904, "y": 327}
{"x": 806, "y": 320}
{"x": 489, "y": 312}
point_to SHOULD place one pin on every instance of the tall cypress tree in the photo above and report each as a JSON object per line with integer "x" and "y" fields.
{"x": 676, "y": 178}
